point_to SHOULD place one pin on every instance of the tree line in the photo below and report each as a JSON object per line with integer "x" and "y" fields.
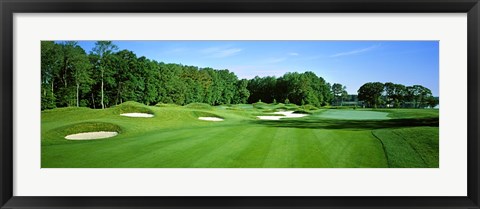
{"x": 376, "y": 94}
{"x": 296, "y": 88}
{"x": 107, "y": 76}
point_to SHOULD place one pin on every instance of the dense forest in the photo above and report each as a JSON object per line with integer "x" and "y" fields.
{"x": 108, "y": 76}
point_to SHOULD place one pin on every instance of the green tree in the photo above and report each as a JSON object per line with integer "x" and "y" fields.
{"x": 103, "y": 49}
{"x": 399, "y": 94}
{"x": 432, "y": 101}
{"x": 242, "y": 93}
{"x": 371, "y": 93}
{"x": 418, "y": 95}
{"x": 389, "y": 93}
{"x": 51, "y": 63}
{"x": 339, "y": 93}
{"x": 80, "y": 69}
{"x": 151, "y": 69}
{"x": 73, "y": 73}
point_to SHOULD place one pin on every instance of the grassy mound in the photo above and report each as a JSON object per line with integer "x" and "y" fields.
{"x": 309, "y": 107}
{"x": 132, "y": 107}
{"x": 294, "y": 108}
{"x": 235, "y": 108}
{"x": 166, "y": 105}
{"x": 88, "y": 127}
{"x": 65, "y": 109}
{"x": 260, "y": 105}
{"x": 205, "y": 114}
{"x": 244, "y": 106}
{"x": 302, "y": 112}
{"x": 202, "y": 106}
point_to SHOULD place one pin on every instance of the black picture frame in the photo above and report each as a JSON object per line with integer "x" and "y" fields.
{"x": 9, "y": 7}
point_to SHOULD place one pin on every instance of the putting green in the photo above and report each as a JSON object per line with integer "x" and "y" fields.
{"x": 354, "y": 115}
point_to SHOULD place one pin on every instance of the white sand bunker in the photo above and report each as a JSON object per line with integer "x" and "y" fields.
{"x": 137, "y": 115}
{"x": 286, "y": 114}
{"x": 210, "y": 119}
{"x": 92, "y": 135}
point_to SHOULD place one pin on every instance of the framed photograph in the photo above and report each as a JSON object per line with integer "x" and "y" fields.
{"x": 239, "y": 104}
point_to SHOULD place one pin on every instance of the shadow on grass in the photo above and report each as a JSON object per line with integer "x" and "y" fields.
{"x": 349, "y": 124}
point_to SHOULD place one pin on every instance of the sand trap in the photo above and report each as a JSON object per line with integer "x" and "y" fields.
{"x": 270, "y": 117}
{"x": 91, "y": 135}
{"x": 137, "y": 115}
{"x": 286, "y": 114}
{"x": 210, "y": 119}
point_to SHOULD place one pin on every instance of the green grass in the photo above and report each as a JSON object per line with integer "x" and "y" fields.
{"x": 165, "y": 105}
{"x": 132, "y": 107}
{"x": 410, "y": 113}
{"x": 175, "y": 138}
{"x": 354, "y": 114}
{"x": 199, "y": 106}
{"x": 410, "y": 147}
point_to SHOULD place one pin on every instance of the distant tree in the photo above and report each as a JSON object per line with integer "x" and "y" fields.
{"x": 389, "y": 93}
{"x": 424, "y": 94}
{"x": 371, "y": 93}
{"x": 241, "y": 93}
{"x": 295, "y": 86}
{"x": 339, "y": 93}
{"x": 129, "y": 81}
{"x": 150, "y": 74}
{"x": 395, "y": 94}
{"x": 398, "y": 95}
{"x": 262, "y": 88}
{"x": 103, "y": 49}
{"x": 51, "y": 64}
{"x": 418, "y": 95}
{"x": 432, "y": 101}
{"x": 229, "y": 81}
{"x": 80, "y": 69}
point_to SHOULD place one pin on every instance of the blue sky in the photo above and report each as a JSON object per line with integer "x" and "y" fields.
{"x": 351, "y": 63}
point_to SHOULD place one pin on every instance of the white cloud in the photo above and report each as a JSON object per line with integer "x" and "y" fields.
{"x": 357, "y": 51}
{"x": 220, "y": 52}
{"x": 293, "y": 54}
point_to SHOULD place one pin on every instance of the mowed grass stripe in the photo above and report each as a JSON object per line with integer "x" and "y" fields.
{"x": 190, "y": 146}
{"x": 314, "y": 149}
{"x": 255, "y": 154}
{"x": 425, "y": 142}
{"x": 227, "y": 154}
{"x": 332, "y": 148}
{"x": 349, "y": 149}
{"x": 399, "y": 152}
{"x": 410, "y": 147}
{"x": 363, "y": 150}
{"x": 283, "y": 150}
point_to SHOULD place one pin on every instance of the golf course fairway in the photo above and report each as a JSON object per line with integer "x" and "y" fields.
{"x": 175, "y": 137}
